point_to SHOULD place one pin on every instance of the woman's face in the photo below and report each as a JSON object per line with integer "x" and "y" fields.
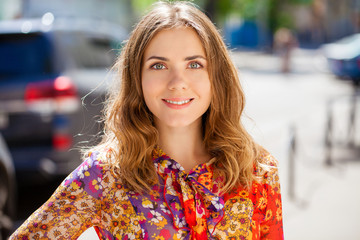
{"x": 175, "y": 79}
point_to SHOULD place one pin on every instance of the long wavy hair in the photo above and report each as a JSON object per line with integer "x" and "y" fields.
{"x": 129, "y": 133}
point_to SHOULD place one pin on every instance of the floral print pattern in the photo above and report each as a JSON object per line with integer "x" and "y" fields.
{"x": 182, "y": 206}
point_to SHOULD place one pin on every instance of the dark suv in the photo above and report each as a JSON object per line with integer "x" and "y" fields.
{"x": 7, "y": 191}
{"x": 47, "y": 67}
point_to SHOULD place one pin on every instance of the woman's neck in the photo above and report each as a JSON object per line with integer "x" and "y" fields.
{"x": 184, "y": 144}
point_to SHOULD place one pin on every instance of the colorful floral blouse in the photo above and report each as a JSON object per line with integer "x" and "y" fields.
{"x": 183, "y": 206}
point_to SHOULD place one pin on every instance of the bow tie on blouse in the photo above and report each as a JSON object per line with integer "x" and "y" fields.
{"x": 192, "y": 198}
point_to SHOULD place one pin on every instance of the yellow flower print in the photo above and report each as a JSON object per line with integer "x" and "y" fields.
{"x": 74, "y": 185}
{"x": 147, "y": 203}
{"x": 62, "y": 203}
{"x": 264, "y": 193}
{"x": 272, "y": 192}
{"x": 264, "y": 228}
{"x": 141, "y": 217}
{"x": 157, "y": 237}
{"x": 116, "y": 211}
{"x": 200, "y": 225}
{"x": 96, "y": 184}
{"x": 234, "y": 226}
{"x": 243, "y": 194}
{"x": 268, "y": 215}
{"x": 255, "y": 229}
{"x": 161, "y": 224}
{"x": 106, "y": 179}
{"x": 84, "y": 204}
{"x": 177, "y": 206}
{"x": 127, "y": 208}
{"x": 262, "y": 203}
{"x": 158, "y": 220}
{"x": 277, "y": 203}
{"x": 256, "y": 187}
{"x": 277, "y": 187}
{"x": 67, "y": 210}
{"x": 123, "y": 222}
{"x": 56, "y": 233}
{"x": 155, "y": 194}
{"x": 44, "y": 217}
{"x": 107, "y": 206}
{"x": 165, "y": 164}
{"x": 74, "y": 222}
{"x": 253, "y": 225}
{"x": 279, "y": 214}
{"x": 177, "y": 237}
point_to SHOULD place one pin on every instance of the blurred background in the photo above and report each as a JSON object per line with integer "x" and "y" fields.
{"x": 299, "y": 64}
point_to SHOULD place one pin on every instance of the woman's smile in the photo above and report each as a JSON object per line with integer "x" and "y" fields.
{"x": 177, "y": 103}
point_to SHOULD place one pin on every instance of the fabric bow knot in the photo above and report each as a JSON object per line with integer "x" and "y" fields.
{"x": 191, "y": 201}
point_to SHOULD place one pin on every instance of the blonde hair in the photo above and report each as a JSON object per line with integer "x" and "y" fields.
{"x": 130, "y": 135}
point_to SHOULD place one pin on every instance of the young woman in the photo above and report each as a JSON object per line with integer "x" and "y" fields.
{"x": 175, "y": 161}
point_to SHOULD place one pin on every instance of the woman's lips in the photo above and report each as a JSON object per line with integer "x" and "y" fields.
{"x": 177, "y": 103}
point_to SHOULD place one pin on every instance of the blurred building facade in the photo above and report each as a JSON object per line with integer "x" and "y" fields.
{"x": 117, "y": 11}
{"x": 314, "y": 22}
{"x": 326, "y": 20}
{"x": 9, "y": 9}
{"x": 342, "y": 19}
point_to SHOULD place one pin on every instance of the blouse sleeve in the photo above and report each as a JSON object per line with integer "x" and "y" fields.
{"x": 271, "y": 226}
{"x": 74, "y": 206}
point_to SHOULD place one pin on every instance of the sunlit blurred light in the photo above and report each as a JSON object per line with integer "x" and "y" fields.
{"x": 63, "y": 83}
{"x": 26, "y": 27}
{"x": 47, "y": 18}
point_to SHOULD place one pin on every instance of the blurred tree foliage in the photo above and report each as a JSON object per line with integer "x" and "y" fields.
{"x": 273, "y": 12}
{"x": 247, "y": 9}
{"x": 140, "y": 6}
{"x": 278, "y": 16}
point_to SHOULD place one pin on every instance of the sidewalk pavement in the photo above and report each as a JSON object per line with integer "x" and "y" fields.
{"x": 326, "y": 199}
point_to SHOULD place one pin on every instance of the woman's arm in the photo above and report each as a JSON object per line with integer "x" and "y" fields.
{"x": 74, "y": 207}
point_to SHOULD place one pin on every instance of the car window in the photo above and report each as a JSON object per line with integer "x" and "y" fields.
{"x": 86, "y": 50}
{"x": 24, "y": 54}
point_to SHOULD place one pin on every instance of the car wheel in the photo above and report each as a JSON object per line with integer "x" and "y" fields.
{"x": 6, "y": 223}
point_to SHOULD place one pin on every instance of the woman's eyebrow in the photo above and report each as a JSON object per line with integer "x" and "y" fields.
{"x": 194, "y": 57}
{"x": 158, "y": 58}
{"x": 166, "y": 59}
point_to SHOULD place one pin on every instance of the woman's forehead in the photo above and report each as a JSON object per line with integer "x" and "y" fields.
{"x": 180, "y": 41}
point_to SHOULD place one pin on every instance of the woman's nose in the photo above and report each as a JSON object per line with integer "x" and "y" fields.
{"x": 177, "y": 80}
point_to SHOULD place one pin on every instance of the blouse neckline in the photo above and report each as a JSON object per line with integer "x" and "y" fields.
{"x": 166, "y": 164}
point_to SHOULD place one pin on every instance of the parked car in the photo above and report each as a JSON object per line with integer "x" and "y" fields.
{"x": 7, "y": 191}
{"x": 344, "y": 57}
{"x": 47, "y": 67}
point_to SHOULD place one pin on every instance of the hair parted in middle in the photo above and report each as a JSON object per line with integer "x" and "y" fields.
{"x": 130, "y": 134}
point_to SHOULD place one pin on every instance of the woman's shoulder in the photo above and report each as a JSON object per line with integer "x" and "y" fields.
{"x": 94, "y": 160}
{"x": 266, "y": 167}
{"x": 93, "y": 167}
{"x": 264, "y": 158}
{"x": 93, "y": 175}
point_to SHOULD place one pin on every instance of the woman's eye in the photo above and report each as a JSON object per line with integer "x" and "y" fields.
{"x": 158, "y": 66}
{"x": 194, "y": 65}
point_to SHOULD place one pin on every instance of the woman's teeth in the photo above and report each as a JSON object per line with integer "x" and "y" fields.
{"x": 178, "y": 103}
